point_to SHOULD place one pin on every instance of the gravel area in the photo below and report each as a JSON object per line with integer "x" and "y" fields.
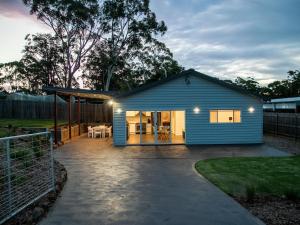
{"x": 286, "y": 144}
{"x": 274, "y": 210}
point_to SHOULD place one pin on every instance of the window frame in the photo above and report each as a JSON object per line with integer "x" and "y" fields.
{"x": 217, "y": 111}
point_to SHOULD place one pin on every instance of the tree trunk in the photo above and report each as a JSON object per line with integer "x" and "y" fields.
{"x": 109, "y": 76}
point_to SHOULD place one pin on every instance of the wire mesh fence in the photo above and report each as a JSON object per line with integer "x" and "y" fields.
{"x": 26, "y": 171}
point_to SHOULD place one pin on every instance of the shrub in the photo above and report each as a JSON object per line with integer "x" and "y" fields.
{"x": 250, "y": 193}
{"x": 38, "y": 152}
{"x": 19, "y": 153}
{"x": 18, "y": 180}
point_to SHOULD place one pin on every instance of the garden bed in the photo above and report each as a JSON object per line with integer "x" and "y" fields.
{"x": 273, "y": 210}
{"x": 269, "y": 187}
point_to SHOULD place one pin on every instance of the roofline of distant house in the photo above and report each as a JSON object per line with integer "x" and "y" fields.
{"x": 187, "y": 73}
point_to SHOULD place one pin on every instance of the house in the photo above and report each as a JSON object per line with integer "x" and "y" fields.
{"x": 291, "y": 104}
{"x": 188, "y": 108}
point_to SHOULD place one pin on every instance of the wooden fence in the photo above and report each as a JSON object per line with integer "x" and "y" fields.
{"x": 16, "y": 109}
{"x": 287, "y": 124}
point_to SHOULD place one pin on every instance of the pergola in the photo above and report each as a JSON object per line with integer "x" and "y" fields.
{"x": 68, "y": 93}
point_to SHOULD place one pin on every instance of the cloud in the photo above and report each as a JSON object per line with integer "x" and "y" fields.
{"x": 226, "y": 38}
{"x": 13, "y": 9}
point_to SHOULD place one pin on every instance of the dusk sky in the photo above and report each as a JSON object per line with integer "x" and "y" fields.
{"x": 222, "y": 38}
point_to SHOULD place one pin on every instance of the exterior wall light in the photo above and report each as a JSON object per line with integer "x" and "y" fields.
{"x": 251, "y": 109}
{"x": 119, "y": 110}
{"x": 110, "y": 102}
{"x": 196, "y": 110}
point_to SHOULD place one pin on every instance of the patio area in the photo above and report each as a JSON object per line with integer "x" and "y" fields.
{"x": 145, "y": 185}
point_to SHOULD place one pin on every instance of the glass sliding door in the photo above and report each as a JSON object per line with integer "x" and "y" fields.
{"x": 147, "y": 126}
{"x": 155, "y": 127}
{"x": 132, "y": 125}
{"x": 163, "y": 127}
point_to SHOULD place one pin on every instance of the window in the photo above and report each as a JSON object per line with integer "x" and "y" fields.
{"x": 225, "y": 116}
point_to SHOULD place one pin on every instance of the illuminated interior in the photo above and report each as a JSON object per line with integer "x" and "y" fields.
{"x": 155, "y": 127}
{"x": 225, "y": 116}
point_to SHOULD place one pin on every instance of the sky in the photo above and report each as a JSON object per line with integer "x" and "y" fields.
{"x": 222, "y": 38}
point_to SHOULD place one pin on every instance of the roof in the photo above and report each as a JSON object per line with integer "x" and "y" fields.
{"x": 19, "y": 96}
{"x": 190, "y": 72}
{"x": 282, "y": 100}
{"x": 83, "y": 93}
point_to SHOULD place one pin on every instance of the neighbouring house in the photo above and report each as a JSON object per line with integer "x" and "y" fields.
{"x": 188, "y": 108}
{"x": 291, "y": 105}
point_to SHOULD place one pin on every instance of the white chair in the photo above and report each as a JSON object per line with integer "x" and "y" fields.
{"x": 90, "y": 132}
{"x": 98, "y": 131}
{"x": 108, "y": 131}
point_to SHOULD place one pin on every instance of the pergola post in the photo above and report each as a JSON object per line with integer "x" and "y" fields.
{"x": 55, "y": 118}
{"x": 78, "y": 114}
{"x": 69, "y": 114}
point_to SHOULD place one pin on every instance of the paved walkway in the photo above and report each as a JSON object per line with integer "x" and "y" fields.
{"x": 145, "y": 186}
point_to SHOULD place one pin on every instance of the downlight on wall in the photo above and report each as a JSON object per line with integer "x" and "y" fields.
{"x": 251, "y": 109}
{"x": 119, "y": 110}
{"x": 110, "y": 102}
{"x": 196, "y": 110}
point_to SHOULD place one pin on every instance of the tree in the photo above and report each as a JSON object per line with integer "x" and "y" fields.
{"x": 294, "y": 79}
{"x": 152, "y": 62}
{"x": 10, "y": 79}
{"x": 41, "y": 64}
{"x": 131, "y": 25}
{"x": 250, "y": 84}
{"x": 77, "y": 25}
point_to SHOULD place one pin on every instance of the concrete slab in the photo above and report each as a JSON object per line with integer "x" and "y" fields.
{"x": 145, "y": 185}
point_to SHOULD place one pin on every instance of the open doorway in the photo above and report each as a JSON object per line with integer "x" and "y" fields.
{"x": 155, "y": 127}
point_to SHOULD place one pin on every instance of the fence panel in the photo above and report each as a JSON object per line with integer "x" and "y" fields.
{"x": 287, "y": 124}
{"x": 17, "y": 109}
{"x": 26, "y": 171}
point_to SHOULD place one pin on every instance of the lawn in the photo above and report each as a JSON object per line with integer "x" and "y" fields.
{"x": 18, "y": 123}
{"x": 29, "y": 123}
{"x": 266, "y": 175}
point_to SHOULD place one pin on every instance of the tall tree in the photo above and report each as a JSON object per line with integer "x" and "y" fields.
{"x": 76, "y": 24}
{"x": 152, "y": 62}
{"x": 41, "y": 64}
{"x": 131, "y": 26}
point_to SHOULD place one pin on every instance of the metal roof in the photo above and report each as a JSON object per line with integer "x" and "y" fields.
{"x": 83, "y": 93}
{"x": 291, "y": 99}
{"x": 190, "y": 72}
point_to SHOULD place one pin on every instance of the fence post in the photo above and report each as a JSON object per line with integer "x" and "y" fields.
{"x": 296, "y": 127}
{"x": 8, "y": 175}
{"x": 52, "y": 163}
{"x": 277, "y": 123}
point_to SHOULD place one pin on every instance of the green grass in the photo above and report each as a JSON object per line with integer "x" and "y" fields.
{"x": 29, "y": 123}
{"x": 3, "y": 132}
{"x": 268, "y": 175}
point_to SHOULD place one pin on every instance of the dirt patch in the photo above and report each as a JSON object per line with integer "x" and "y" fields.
{"x": 286, "y": 144}
{"x": 274, "y": 210}
{"x": 35, "y": 212}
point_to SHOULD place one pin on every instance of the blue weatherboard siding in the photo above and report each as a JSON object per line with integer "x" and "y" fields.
{"x": 178, "y": 95}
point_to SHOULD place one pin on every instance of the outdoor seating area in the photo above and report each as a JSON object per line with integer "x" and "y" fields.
{"x": 101, "y": 131}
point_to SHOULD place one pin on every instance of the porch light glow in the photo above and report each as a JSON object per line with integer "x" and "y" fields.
{"x": 196, "y": 110}
{"x": 119, "y": 110}
{"x": 111, "y": 102}
{"x": 251, "y": 109}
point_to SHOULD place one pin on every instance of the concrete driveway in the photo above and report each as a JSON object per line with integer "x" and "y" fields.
{"x": 145, "y": 185}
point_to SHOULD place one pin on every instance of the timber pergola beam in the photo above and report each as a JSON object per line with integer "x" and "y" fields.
{"x": 80, "y": 94}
